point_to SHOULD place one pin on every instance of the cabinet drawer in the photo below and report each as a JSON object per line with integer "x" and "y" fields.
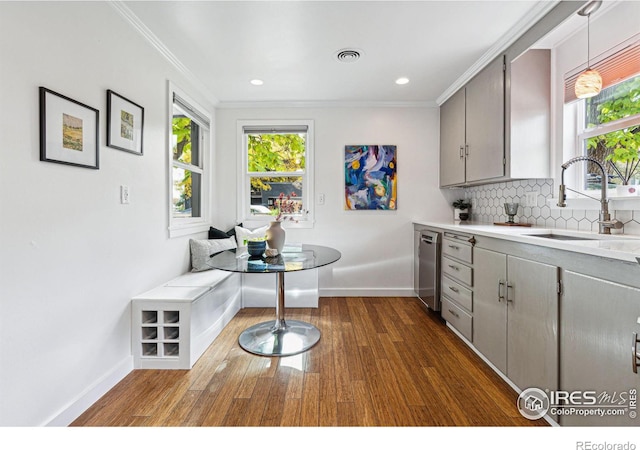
{"x": 458, "y": 250}
{"x": 457, "y": 271}
{"x": 457, "y": 317}
{"x": 457, "y": 292}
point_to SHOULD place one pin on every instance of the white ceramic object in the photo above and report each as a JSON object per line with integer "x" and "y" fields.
{"x": 627, "y": 190}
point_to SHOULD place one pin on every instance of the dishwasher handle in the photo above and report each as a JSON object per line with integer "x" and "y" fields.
{"x": 429, "y": 238}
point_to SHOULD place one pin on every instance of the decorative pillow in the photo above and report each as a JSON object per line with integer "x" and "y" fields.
{"x": 214, "y": 233}
{"x": 244, "y": 234}
{"x": 203, "y": 250}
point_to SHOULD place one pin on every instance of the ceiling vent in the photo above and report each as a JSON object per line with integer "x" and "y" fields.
{"x": 348, "y": 55}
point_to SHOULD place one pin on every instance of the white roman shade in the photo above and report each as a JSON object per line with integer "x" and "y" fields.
{"x": 194, "y": 114}
{"x": 291, "y": 129}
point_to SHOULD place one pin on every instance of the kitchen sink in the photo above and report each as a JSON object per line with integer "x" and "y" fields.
{"x": 562, "y": 237}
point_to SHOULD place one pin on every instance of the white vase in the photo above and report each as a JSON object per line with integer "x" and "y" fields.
{"x": 275, "y": 236}
{"x": 627, "y": 190}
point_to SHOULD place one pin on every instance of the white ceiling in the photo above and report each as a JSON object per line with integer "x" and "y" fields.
{"x": 290, "y": 45}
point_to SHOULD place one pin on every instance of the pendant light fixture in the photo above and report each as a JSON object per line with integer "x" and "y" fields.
{"x": 589, "y": 82}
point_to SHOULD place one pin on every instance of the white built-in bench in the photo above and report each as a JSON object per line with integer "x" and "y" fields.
{"x": 173, "y": 324}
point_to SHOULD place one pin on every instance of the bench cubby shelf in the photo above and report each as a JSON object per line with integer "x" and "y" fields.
{"x": 174, "y": 324}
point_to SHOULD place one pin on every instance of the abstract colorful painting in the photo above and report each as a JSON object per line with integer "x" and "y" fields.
{"x": 370, "y": 177}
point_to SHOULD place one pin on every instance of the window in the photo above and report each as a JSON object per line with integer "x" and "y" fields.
{"x": 277, "y": 160}
{"x": 607, "y": 126}
{"x": 189, "y": 177}
{"x": 610, "y": 131}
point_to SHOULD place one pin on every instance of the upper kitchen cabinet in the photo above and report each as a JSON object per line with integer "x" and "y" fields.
{"x": 452, "y": 140}
{"x": 496, "y": 128}
{"x": 472, "y": 129}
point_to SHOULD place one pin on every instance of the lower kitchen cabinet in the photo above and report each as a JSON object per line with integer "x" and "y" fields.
{"x": 599, "y": 319}
{"x": 515, "y": 317}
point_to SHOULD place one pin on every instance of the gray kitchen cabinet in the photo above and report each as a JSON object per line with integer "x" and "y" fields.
{"x": 516, "y": 317}
{"x": 490, "y": 333}
{"x": 457, "y": 282}
{"x": 497, "y": 127}
{"x": 472, "y": 129}
{"x": 599, "y": 319}
{"x": 484, "y": 116}
{"x": 452, "y": 140}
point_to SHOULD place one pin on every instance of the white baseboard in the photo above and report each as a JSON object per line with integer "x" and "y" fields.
{"x": 76, "y": 407}
{"x": 362, "y": 292}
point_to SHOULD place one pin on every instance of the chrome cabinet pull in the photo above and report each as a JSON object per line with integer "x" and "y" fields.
{"x": 466, "y": 150}
{"x": 454, "y": 289}
{"x": 455, "y": 247}
{"x": 500, "y": 295}
{"x": 635, "y": 356}
{"x": 461, "y": 151}
{"x": 454, "y": 267}
{"x": 509, "y": 287}
{"x": 454, "y": 313}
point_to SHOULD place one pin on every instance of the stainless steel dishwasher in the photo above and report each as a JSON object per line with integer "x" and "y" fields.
{"x": 429, "y": 269}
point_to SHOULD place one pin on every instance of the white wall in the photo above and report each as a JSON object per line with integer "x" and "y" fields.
{"x": 71, "y": 255}
{"x": 376, "y": 246}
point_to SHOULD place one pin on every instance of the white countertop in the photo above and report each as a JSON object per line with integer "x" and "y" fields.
{"x": 623, "y": 247}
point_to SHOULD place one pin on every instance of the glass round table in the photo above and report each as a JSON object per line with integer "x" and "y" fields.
{"x": 278, "y": 337}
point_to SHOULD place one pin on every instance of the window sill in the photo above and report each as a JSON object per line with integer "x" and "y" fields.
{"x": 286, "y": 224}
{"x": 615, "y": 203}
{"x": 185, "y": 230}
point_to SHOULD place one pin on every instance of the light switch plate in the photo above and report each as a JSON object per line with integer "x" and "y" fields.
{"x": 124, "y": 194}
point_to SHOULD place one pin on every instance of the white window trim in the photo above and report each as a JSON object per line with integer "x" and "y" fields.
{"x": 190, "y": 225}
{"x": 574, "y": 139}
{"x": 583, "y": 133}
{"x": 243, "y": 187}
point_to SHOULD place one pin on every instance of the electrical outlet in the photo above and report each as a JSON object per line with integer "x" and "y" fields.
{"x": 531, "y": 198}
{"x": 124, "y": 194}
{"x": 320, "y": 199}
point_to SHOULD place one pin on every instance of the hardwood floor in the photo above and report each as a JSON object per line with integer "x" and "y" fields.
{"x": 381, "y": 361}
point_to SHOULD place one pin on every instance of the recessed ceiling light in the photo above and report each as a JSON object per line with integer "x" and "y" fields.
{"x": 402, "y": 80}
{"x": 257, "y": 82}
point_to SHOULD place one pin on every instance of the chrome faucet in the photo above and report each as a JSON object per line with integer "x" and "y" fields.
{"x": 605, "y": 222}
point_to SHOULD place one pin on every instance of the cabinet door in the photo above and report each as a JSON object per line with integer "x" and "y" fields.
{"x": 489, "y": 306}
{"x": 532, "y": 324}
{"x": 485, "y": 123}
{"x": 452, "y": 135}
{"x": 598, "y": 320}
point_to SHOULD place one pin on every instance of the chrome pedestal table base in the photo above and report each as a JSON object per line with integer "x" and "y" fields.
{"x": 279, "y": 337}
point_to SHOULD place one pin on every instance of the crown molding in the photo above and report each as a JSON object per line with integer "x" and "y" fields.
{"x": 323, "y": 104}
{"x": 531, "y": 18}
{"x": 156, "y": 43}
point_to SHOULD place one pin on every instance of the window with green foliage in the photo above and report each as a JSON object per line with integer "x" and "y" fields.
{"x": 185, "y": 169}
{"x": 610, "y": 132}
{"x": 189, "y": 148}
{"x": 276, "y": 180}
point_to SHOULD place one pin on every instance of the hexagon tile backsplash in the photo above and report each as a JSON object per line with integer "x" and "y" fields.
{"x": 488, "y": 207}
